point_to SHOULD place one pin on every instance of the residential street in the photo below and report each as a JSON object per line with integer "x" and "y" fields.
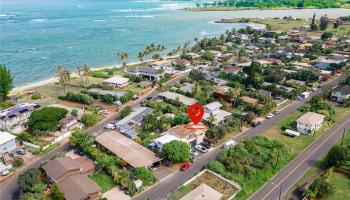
{"x": 281, "y": 183}
{"x": 161, "y": 189}
{"x": 9, "y": 189}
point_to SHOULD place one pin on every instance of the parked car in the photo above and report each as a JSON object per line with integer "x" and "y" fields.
{"x": 201, "y": 149}
{"x": 118, "y": 103}
{"x": 21, "y": 152}
{"x": 256, "y": 123}
{"x": 194, "y": 152}
{"x": 104, "y": 111}
{"x": 110, "y": 126}
{"x": 206, "y": 145}
{"x": 276, "y": 112}
{"x": 135, "y": 97}
{"x": 13, "y": 154}
{"x": 5, "y": 172}
{"x": 269, "y": 116}
{"x": 185, "y": 166}
{"x": 149, "y": 98}
{"x": 143, "y": 102}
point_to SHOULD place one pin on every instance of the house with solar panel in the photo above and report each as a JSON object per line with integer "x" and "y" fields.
{"x": 14, "y": 119}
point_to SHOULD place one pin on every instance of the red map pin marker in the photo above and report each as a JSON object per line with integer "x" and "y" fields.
{"x": 195, "y": 112}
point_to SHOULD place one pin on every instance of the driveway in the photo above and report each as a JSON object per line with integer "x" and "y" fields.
{"x": 116, "y": 194}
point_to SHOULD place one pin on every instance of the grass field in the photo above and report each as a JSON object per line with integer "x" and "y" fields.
{"x": 342, "y": 187}
{"x": 104, "y": 181}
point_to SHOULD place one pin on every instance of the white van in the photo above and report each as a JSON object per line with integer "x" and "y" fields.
{"x": 230, "y": 144}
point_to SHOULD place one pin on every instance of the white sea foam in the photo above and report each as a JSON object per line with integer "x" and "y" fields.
{"x": 130, "y": 10}
{"x": 7, "y": 15}
{"x": 99, "y": 20}
{"x": 146, "y": 1}
{"x": 39, "y": 20}
{"x": 80, "y": 6}
{"x": 139, "y": 16}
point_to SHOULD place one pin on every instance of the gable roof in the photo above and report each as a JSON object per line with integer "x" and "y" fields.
{"x": 58, "y": 167}
{"x": 78, "y": 187}
{"x": 184, "y": 130}
{"x": 6, "y": 137}
{"x": 203, "y": 192}
{"x": 311, "y": 118}
{"x": 343, "y": 89}
{"x": 213, "y": 106}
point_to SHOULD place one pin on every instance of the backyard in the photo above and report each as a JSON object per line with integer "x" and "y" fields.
{"x": 103, "y": 180}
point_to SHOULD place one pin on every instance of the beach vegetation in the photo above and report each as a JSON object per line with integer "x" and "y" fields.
{"x": 46, "y": 119}
{"x": 36, "y": 95}
{"x": 77, "y": 97}
{"x": 6, "y": 82}
{"x": 63, "y": 76}
{"x": 123, "y": 57}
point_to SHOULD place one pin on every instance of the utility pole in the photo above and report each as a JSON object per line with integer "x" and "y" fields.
{"x": 279, "y": 198}
{"x": 342, "y": 138}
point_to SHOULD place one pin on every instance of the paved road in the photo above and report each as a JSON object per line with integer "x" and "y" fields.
{"x": 9, "y": 189}
{"x": 286, "y": 178}
{"x": 169, "y": 184}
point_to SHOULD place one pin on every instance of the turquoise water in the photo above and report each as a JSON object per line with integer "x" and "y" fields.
{"x": 37, "y": 35}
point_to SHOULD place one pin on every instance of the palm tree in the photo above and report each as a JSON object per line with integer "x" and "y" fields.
{"x": 63, "y": 76}
{"x": 80, "y": 74}
{"x": 86, "y": 73}
{"x": 211, "y": 119}
{"x": 123, "y": 57}
{"x": 140, "y": 56}
{"x": 59, "y": 74}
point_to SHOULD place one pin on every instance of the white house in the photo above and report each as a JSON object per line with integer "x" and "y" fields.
{"x": 161, "y": 141}
{"x": 214, "y": 109}
{"x": 190, "y": 133}
{"x": 340, "y": 94}
{"x": 116, "y": 81}
{"x": 7, "y": 142}
{"x": 151, "y": 73}
{"x": 309, "y": 122}
{"x": 14, "y": 119}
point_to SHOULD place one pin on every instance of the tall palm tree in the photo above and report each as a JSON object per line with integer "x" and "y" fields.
{"x": 211, "y": 119}
{"x": 140, "y": 56}
{"x": 123, "y": 57}
{"x": 86, "y": 73}
{"x": 80, "y": 74}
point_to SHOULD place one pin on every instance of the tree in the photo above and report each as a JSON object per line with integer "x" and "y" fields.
{"x": 108, "y": 98}
{"x": 141, "y": 56}
{"x": 321, "y": 187}
{"x": 6, "y": 82}
{"x": 313, "y": 24}
{"x": 86, "y": 72}
{"x": 56, "y": 192}
{"x": 211, "y": 119}
{"x": 17, "y": 161}
{"x": 46, "y": 119}
{"x": 32, "y": 196}
{"x": 324, "y": 21}
{"x": 145, "y": 175}
{"x": 90, "y": 119}
{"x": 29, "y": 179}
{"x": 177, "y": 151}
{"x": 126, "y": 111}
{"x": 338, "y": 155}
{"x": 63, "y": 75}
{"x": 74, "y": 113}
{"x": 326, "y": 36}
{"x": 254, "y": 72}
{"x": 196, "y": 75}
{"x": 123, "y": 57}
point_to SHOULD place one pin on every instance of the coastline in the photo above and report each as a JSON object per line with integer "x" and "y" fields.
{"x": 228, "y": 8}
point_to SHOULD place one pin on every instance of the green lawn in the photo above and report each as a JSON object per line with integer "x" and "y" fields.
{"x": 342, "y": 187}
{"x": 104, "y": 181}
{"x": 179, "y": 192}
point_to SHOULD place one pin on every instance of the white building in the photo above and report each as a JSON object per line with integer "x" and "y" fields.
{"x": 161, "y": 141}
{"x": 7, "y": 142}
{"x": 219, "y": 115}
{"x": 15, "y": 119}
{"x": 178, "y": 98}
{"x": 151, "y": 73}
{"x": 116, "y": 81}
{"x": 309, "y": 122}
{"x": 341, "y": 93}
{"x": 190, "y": 133}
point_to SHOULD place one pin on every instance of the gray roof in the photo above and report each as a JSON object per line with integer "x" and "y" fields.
{"x": 17, "y": 110}
{"x": 135, "y": 117}
{"x": 343, "y": 89}
{"x": 104, "y": 92}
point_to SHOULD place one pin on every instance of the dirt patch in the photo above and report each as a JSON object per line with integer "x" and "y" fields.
{"x": 272, "y": 133}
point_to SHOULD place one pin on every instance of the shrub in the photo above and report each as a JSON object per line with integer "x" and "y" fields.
{"x": 90, "y": 119}
{"x": 46, "y": 119}
{"x": 17, "y": 161}
{"x": 28, "y": 180}
{"x": 98, "y": 74}
{"x": 145, "y": 175}
{"x": 126, "y": 111}
{"x": 108, "y": 98}
{"x": 56, "y": 193}
{"x": 74, "y": 113}
{"x": 133, "y": 78}
{"x": 126, "y": 97}
{"x": 36, "y": 95}
{"x": 177, "y": 151}
{"x": 78, "y": 97}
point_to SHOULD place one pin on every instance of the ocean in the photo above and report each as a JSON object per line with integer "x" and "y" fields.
{"x": 38, "y": 35}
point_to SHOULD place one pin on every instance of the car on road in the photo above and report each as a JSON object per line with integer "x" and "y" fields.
{"x": 206, "y": 145}
{"x": 5, "y": 172}
{"x": 269, "y": 116}
{"x": 201, "y": 149}
{"x": 256, "y": 123}
{"x": 13, "y": 154}
{"x": 230, "y": 144}
{"x": 185, "y": 166}
{"x": 110, "y": 126}
{"x": 194, "y": 152}
{"x": 143, "y": 102}
{"x": 149, "y": 98}
{"x": 118, "y": 103}
{"x": 104, "y": 111}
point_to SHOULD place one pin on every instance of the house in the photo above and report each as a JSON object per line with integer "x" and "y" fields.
{"x": 146, "y": 87}
{"x": 233, "y": 69}
{"x": 161, "y": 141}
{"x": 249, "y": 100}
{"x": 7, "y": 142}
{"x": 151, "y": 73}
{"x": 190, "y": 133}
{"x": 309, "y": 122}
{"x": 160, "y": 63}
{"x": 79, "y": 187}
{"x": 265, "y": 93}
{"x": 177, "y": 98}
{"x": 341, "y": 93}
{"x": 71, "y": 177}
{"x": 88, "y": 165}
{"x": 213, "y": 108}
{"x": 116, "y": 81}
{"x": 14, "y": 119}
{"x": 130, "y": 151}
{"x": 187, "y": 87}
{"x": 221, "y": 92}
{"x": 135, "y": 118}
{"x": 60, "y": 168}
{"x": 203, "y": 192}
{"x": 101, "y": 92}
{"x": 325, "y": 63}
{"x": 69, "y": 123}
